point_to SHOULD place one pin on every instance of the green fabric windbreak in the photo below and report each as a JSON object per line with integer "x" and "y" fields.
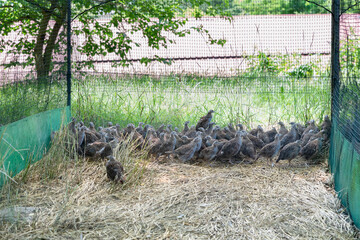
{"x": 344, "y": 159}
{"x": 25, "y": 141}
{"x": 354, "y": 190}
{"x": 344, "y": 163}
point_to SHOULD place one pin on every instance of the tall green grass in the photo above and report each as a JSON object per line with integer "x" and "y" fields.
{"x": 29, "y": 97}
{"x": 174, "y": 100}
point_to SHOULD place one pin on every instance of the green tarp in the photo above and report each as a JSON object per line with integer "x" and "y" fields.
{"x": 26, "y": 140}
{"x": 344, "y": 163}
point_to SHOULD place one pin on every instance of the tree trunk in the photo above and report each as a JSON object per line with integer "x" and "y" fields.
{"x": 44, "y": 49}
{"x": 49, "y": 50}
{"x": 40, "y": 40}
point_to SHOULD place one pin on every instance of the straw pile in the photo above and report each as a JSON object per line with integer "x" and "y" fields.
{"x": 182, "y": 201}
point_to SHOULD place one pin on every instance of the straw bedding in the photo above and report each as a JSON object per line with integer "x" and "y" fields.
{"x": 182, "y": 201}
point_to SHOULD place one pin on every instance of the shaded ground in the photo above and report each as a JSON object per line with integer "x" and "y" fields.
{"x": 182, "y": 201}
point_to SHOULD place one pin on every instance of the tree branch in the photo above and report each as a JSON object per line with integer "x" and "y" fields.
{"x": 50, "y": 11}
{"x": 326, "y": 9}
{"x": 87, "y": 10}
{"x": 39, "y": 6}
{"x": 351, "y": 6}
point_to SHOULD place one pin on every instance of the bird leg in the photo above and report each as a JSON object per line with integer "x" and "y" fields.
{"x": 231, "y": 161}
{"x": 157, "y": 157}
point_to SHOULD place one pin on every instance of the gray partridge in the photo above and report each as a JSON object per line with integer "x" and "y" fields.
{"x": 257, "y": 142}
{"x": 98, "y": 149}
{"x": 289, "y": 137}
{"x": 209, "y": 153}
{"x": 186, "y": 127}
{"x": 271, "y": 134}
{"x": 326, "y": 126}
{"x": 140, "y": 128}
{"x": 186, "y": 152}
{"x": 209, "y": 130}
{"x": 92, "y": 127}
{"x": 306, "y": 137}
{"x": 205, "y": 120}
{"x": 262, "y": 135}
{"x": 115, "y": 170}
{"x": 247, "y": 147}
{"x": 192, "y": 132}
{"x": 232, "y": 147}
{"x": 289, "y": 152}
{"x": 253, "y": 132}
{"x": 270, "y": 150}
{"x": 209, "y": 141}
{"x": 168, "y": 144}
{"x": 215, "y": 132}
{"x": 160, "y": 129}
{"x": 283, "y": 130}
{"x": 311, "y": 126}
{"x": 81, "y": 136}
{"x": 311, "y": 149}
{"x": 231, "y": 128}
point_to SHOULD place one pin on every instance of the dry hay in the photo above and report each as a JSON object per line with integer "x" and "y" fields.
{"x": 182, "y": 201}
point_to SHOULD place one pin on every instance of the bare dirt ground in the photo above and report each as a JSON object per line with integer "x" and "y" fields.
{"x": 183, "y": 201}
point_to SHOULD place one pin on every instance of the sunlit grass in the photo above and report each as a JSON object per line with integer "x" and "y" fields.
{"x": 26, "y": 98}
{"x": 171, "y": 100}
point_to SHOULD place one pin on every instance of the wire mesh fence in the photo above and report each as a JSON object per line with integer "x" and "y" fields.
{"x": 278, "y": 47}
{"x": 272, "y": 68}
{"x": 246, "y": 37}
{"x": 288, "y": 42}
{"x": 345, "y": 144}
{"x": 25, "y": 98}
{"x": 179, "y": 98}
{"x": 269, "y": 63}
{"x": 344, "y": 151}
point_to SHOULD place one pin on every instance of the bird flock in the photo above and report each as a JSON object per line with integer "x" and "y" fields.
{"x": 204, "y": 141}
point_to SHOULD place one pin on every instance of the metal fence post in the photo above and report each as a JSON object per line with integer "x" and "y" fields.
{"x": 335, "y": 49}
{"x": 68, "y": 75}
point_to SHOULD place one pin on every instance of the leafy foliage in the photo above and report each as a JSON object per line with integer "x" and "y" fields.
{"x": 349, "y": 55}
{"x": 266, "y": 7}
{"x": 40, "y": 25}
{"x": 263, "y": 7}
{"x": 280, "y": 65}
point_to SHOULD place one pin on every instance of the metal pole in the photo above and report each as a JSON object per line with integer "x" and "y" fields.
{"x": 68, "y": 74}
{"x": 335, "y": 72}
{"x": 335, "y": 43}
